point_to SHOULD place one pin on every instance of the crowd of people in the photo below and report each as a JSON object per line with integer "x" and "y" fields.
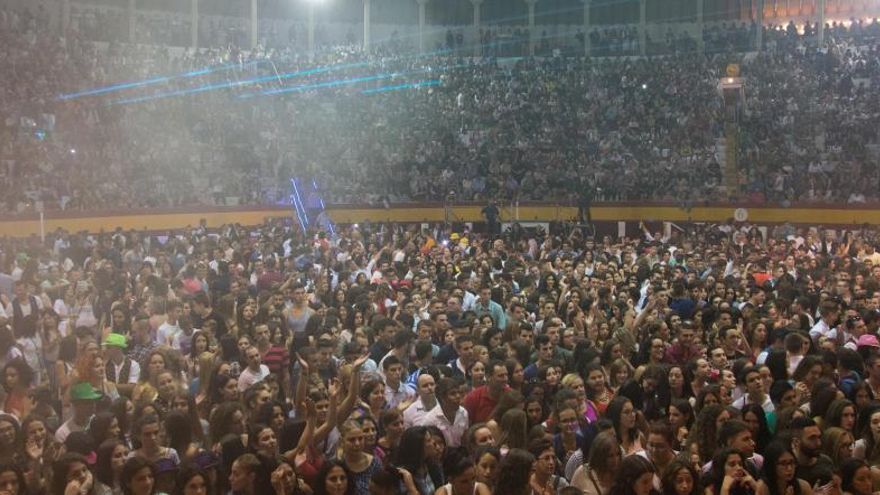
{"x": 627, "y": 129}
{"x": 388, "y": 359}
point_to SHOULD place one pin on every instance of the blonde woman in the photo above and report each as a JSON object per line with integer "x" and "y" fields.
{"x": 585, "y": 407}
{"x": 206, "y": 362}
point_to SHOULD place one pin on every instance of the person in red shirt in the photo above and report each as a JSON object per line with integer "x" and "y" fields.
{"x": 684, "y": 349}
{"x": 481, "y": 401}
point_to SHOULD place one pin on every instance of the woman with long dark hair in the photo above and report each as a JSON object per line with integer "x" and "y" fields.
{"x": 680, "y": 478}
{"x": 39, "y": 449}
{"x": 679, "y": 388}
{"x": 635, "y": 477}
{"x": 514, "y": 473}
{"x": 753, "y": 415}
{"x": 17, "y": 381}
{"x": 249, "y": 476}
{"x": 262, "y": 441}
{"x": 228, "y": 418}
{"x": 681, "y": 419}
{"x": 392, "y": 425}
{"x": 413, "y": 453}
{"x": 138, "y": 477}
{"x": 111, "y": 455}
{"x": 9, "y": 440}
{"x": 867, "y": 447}
{"x": 704, "y": 435}
{"x": 105, "y": 426}
{"x": 71, "y": 476}
{"x": 461, "y": 475}
{"x": 179, "y": 435}
{"x": 840, "y": 413}
{"x": 729, "y": 475}
{"x": 856, "y": 478}
{"x": 334, "y": 478}
{"x": 193, "y": 480}
{"x": 597, "y": 389}
{"x": 224, "y": 388}
{"x": 623, "y": 416}
{"x": 779, "y": 477}
{"x": 146, "y": 429}
{"x": 123, "y": 408}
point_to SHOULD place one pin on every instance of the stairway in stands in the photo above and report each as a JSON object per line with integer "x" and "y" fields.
{"x": 729, "y": 165}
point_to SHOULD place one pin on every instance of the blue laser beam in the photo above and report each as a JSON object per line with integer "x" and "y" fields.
{"x": 299, "y": 200}
{"x": 149, "y": 82}
{"x": 462, "y": 48}
{"x": 328, "y": 84}
{"x": 396, "y": 87}
{"x": 296, "y": 206}
{"x": 343, "y": 82}
{"x": 323, "y": 208}
{"x": 234, "y": 84}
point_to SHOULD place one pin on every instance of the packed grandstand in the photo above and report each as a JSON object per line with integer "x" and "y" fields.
{"x": 295, "y": 357}
{"x": 631, "y": 129}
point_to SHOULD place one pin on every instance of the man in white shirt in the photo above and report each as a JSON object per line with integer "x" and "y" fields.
{"x": 23, "y": 309}
{"x": 397, "y": 393}
{"x": 255, "y": 372}
{"x": 426, "y": 402}
{"x": 119, "y": 368}
{"x": 451, "y": 418}
{"x": 824, "y": 327}
{"x": 755, "y": 394}
{"x": 168, "y": 330}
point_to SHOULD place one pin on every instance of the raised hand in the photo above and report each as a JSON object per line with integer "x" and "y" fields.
{"x": 302, "y": 363}
{"x": 359, "y": 362}
{"x": 33, "y": 450}
{"x": 333, "y": 389}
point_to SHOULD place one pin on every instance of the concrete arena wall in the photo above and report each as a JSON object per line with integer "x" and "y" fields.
{"x": 163, "y": 220}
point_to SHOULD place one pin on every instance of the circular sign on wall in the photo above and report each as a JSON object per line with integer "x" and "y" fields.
{"x": 740, "y": 214}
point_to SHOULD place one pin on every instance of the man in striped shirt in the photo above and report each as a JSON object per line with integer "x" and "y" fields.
{"x": 274, "y": 355}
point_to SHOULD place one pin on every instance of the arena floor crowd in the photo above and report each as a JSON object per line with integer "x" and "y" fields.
{"x": 390, "y": 359}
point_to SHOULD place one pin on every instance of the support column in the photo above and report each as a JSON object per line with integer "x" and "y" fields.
{"x": 478, "y": 42}
{"x": 255, "y": 24}
{"x": 130, "y": 13}
{"x": 820, "y": 6}
{"x": 759, "y": 20}
{"x": 367, "y": 5}
{"x": 65, "y": 16}
{"x": 643, "y": 27}
{"x": 194, "y": 24}
{"x": 311, "y": 30}
{"x": 532, "y": 35}
{"x": 422, "y": 15}
{"x": 587, "y": 28}
{"x": 701, "y": 43}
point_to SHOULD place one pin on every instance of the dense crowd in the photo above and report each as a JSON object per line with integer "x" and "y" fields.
{"x": 622, "y": 128}
{"x": 387, "y": 359}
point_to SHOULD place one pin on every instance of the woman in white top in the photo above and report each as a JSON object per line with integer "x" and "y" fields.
{"x": 596, "y": 476}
